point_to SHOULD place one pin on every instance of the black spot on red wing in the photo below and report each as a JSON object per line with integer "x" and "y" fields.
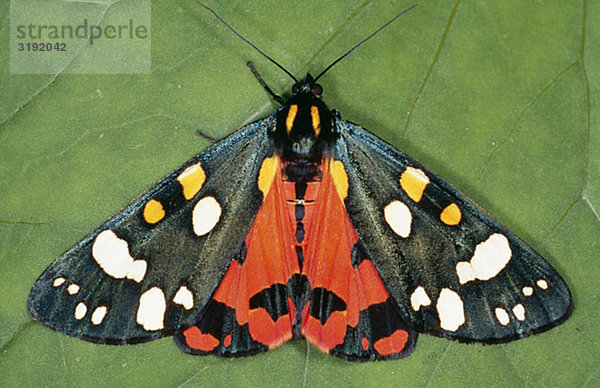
{"x": 299, "y": 287}
{"x": 240, "y": 256}
{"x": 358, "y": 254}
{"x": 323, "y": 303}
{"x": 375, "y": 323}
{"x": 219, "y": 321}
{"x": 387, "y": 319}
{"x": 273, "y": 300}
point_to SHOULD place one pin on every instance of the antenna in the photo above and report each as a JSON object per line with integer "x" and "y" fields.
{"x": 364, "y": 40}
{"x": 247, "y": 41}
{"x": 277, "y": 98}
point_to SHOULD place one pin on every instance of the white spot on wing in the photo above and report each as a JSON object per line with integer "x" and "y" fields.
{"x": 80, "y": 310}
{"x": 502, "y": 316}
{"x": 398, "y": 217}
{"x": 112, "y": 255}
{"x": 205, "y": 216}
{"x": 99, "y": 314}
{"x": 137, "y": 270}
{"x": 450, "y": 310}
{"x": 73, "y": 289}
{"x": 419, "y": 298}
{"x": 58, "y": 282}
{"x": 465, "y": 273}
{"x": 489, "y": 258}
{"x": 527, "y": 291}
{"x": 519, "y": 311}
{"x": 542, "y": 284}
{"x": 184, "y": 297}
{"x": 151, "y": 312}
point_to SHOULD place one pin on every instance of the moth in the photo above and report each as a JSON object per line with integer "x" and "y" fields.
{"x": 301, "y": 225}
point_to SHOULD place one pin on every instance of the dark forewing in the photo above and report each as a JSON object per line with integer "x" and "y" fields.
{"x": 252, "y": 309}
{"x": 348, "y": 311}
{"x": 150, "y": 269}
{"x": 453, "y": 270}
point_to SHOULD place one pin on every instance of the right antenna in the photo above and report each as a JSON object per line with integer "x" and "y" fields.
{"x": 364, "y": 40}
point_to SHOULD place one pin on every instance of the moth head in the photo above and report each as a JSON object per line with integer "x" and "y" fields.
{"x": 305, "y": 126}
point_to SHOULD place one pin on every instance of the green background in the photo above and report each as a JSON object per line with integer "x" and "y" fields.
{"x": 498, "y": 98}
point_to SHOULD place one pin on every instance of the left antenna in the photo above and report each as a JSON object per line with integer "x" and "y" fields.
{"x": 247, "y": 41}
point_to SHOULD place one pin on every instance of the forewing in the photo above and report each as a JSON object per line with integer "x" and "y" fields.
{"x": 151, "y": 268}
{"x": 252, "y": 309}
{"x": 348, "y": 312}
{"x": 453, "y": 270}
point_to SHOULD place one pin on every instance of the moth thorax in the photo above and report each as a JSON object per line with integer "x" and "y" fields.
{"x": 302, "y": 171}
{"x": 304, "y": 146}
{"x": 304, "y": 130}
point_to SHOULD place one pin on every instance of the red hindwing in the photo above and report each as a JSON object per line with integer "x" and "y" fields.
{"x": 303, "y": 255}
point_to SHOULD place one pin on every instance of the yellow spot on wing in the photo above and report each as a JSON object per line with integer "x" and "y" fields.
{"x": 340, "y": 178}
{"x": 413, "y": 182}
{"x": 289, "y": 121}
{"x": 316, "y": 119}
{"x": 267, "y": 173}
{"x": 451, "y": 215}
{"x": 153, "y": 211}
{"x": 191, "y": 180}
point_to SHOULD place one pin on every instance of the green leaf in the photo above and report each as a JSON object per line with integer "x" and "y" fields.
{"x": 499, "y": 98}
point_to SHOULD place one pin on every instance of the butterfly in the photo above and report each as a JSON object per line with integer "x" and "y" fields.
{"x": 301, "y": 225}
